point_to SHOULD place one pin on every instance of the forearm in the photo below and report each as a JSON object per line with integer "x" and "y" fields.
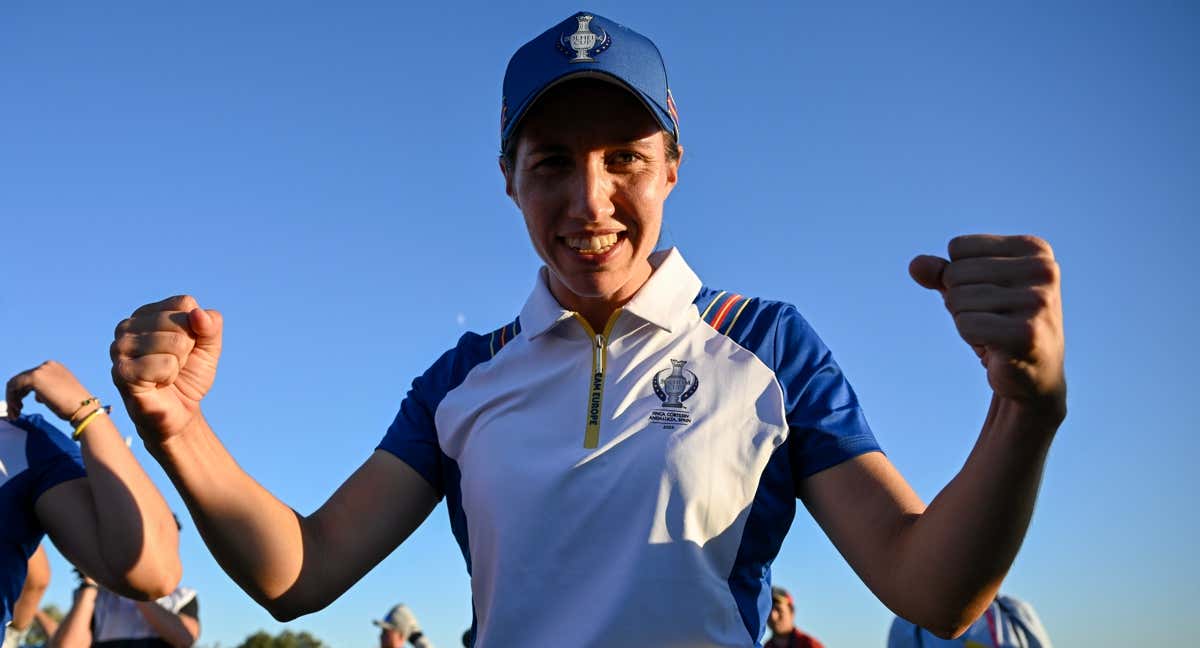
{"x": 175, "y": 629}
{"x": 137, "y": 538}
{"x": 954, "y": 556}
{"x": 256, "y": 538}
{"x": 75, "y": 630}
{"x": 47, "y": 622}
{"x": 37, "y": 579}
{"x": 26, "y": 607}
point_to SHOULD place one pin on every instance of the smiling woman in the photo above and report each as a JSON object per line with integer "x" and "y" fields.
{"x": 631, "y": 447}
{"x": 592, "y": 197}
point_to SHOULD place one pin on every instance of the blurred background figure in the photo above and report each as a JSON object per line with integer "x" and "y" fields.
{"x": 398, "y": 626}
{"x": 37, "y": 579}
{"x": 102, "y": 619}
{"x": 1008, "y": 622}
{"x": 782, "y": 621}
{"x": 93, "y": 499}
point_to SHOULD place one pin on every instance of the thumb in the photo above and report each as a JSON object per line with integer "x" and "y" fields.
{"x": 927, "y": 271}
{"x": 206, "y": 325}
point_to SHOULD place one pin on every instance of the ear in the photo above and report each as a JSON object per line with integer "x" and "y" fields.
{"x": 673, "y": 172}
{"x": 508, "y": 180}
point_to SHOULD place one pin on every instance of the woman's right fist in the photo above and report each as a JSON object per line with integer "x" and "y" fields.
{"x": 164, "y": 362}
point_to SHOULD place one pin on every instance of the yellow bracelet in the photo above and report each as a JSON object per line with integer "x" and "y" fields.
{"x": 87, "y": 419}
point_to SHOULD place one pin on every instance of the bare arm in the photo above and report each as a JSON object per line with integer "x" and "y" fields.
{"x": 75, "y": 631}
{"x": 292, "y": 564}
{"x": 940, "y": 566}
{"x": 37, "y": 579}
{"x": 49, "y": 625}
{"x": 164, "y": 362}
{"x": 113, "y": 524}
{"x": 179, "y": 630}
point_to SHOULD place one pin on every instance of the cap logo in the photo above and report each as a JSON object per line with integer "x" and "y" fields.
{"x": 584, "y": 43}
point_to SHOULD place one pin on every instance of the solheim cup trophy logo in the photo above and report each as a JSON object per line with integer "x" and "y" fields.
{"x": 675, "y": 385}
{"x": 584, "y": 42}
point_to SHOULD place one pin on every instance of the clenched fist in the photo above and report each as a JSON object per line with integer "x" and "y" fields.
{"x": 1006, "y": 300}
{"x": 164, "y": 362}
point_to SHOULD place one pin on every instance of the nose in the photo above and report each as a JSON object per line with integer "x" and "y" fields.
{"x": 592, "y": 191}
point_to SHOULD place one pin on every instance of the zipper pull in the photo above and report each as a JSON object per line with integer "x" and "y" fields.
{"x": 599, "y": 358}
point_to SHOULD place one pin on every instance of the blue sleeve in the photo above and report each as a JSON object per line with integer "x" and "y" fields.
{"x": 53, "y": 457}
{"x": 903, "y": 634}
{"x": 826, "y": 424}
{"x": 413, "y": 434}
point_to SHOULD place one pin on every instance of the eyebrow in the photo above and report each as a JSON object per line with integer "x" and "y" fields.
{"x": 637, "y": 143}
{"x": 548, "y": 148}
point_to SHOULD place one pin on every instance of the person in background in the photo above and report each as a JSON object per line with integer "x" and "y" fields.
{"x": 103, "y": 619}
{"x": 398, "y": 626}
{"x": 1008, "y": 622}
{"x": 37, "y": 579}
{"x": 782, "y": 621}
{"x": 92, "y": 499}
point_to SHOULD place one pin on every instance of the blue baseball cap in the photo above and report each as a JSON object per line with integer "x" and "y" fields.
{"x": 586, "y": 45}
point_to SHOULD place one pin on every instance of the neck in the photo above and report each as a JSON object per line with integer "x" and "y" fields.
{"x": 598, "y": 310}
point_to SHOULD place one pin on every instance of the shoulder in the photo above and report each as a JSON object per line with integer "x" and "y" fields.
{"x": 43, "y": 441}
{"x": 35, "y": 453}
{"x": 764, "y": 326}
{"x": 472, "y": 350}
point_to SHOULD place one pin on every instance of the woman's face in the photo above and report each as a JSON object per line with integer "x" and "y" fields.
{"x": 590, "y": 175}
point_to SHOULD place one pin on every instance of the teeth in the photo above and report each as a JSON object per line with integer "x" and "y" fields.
{"x": 593, "y": 244}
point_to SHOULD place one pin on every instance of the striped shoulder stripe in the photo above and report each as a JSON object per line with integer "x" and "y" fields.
{"x": 704, "y": 313}
{"x": 728, "y": 307}
{"x": 503, "y": 335}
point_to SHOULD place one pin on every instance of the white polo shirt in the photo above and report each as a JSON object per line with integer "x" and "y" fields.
{"x": 629, "y": 486}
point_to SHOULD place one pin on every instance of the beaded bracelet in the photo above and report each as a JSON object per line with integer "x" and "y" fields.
{"x": 89, "y": 401}
{"x": 103, "y": 409}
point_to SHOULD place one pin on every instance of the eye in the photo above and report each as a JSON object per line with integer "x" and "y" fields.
{"x": 551, "y": 163}
{"x": 624, "y": 158}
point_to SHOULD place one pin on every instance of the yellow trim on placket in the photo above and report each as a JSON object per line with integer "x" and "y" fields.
{"x": 593, "y": 408}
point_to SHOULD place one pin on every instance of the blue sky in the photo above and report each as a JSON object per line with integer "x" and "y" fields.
{"x": 326, "y": 177}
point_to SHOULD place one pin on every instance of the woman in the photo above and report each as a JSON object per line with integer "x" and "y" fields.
{"x": 621, "y": 462}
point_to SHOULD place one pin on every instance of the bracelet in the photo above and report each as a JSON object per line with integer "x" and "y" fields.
{"x": 88, "y": 419}
{"x": 89, "y": 401}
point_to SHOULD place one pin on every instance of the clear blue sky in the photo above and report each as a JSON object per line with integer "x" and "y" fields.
{"x": 325, "y": 175}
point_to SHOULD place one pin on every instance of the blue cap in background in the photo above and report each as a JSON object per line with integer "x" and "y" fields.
{"x": 586, "y": 45}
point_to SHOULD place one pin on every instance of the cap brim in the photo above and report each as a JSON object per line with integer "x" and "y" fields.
{"x": 659, "y": 112}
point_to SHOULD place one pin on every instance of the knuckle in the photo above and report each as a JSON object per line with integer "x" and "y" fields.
{"x": 176, "y": 342}
{"x": 1040, "y": 299}
{"x": 952, "y": 273}
{"x": 1046, "y": 270}
{"x": 1026, "y": 334}
{"x": 1037, "y": 243}
{"x": 955, "y": 245}
{"x": 120, "y": 370}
